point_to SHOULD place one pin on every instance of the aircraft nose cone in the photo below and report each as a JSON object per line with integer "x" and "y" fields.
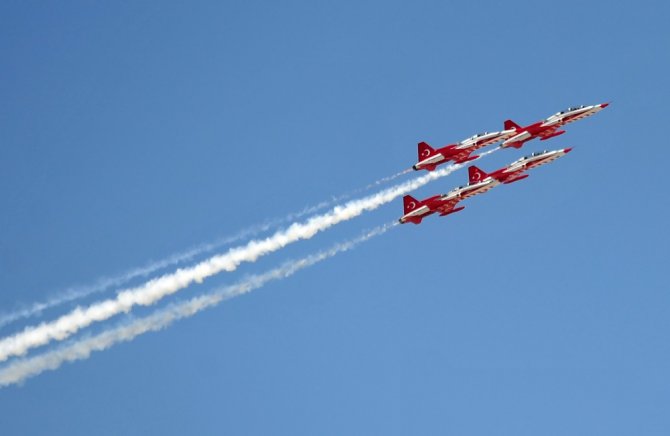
{"x": 604, "y": 105}
{"x": 567, "y": 150}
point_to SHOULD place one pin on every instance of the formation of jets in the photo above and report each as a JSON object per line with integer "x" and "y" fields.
{"x": 478, "y": 181}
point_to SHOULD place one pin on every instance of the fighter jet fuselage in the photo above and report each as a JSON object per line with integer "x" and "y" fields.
{"x": 549, "y": 127}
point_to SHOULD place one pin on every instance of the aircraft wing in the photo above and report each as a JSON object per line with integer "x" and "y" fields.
{"x": 510, "y": 174}
{"x": 548, "y": 133}
{"x": 551, "y": 132}
{"x": 515, "y": 176}
{"x": 462, "y": 155}
{"x": 447, "y": 207}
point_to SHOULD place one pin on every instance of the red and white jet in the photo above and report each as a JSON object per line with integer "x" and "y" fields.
{"x": 549, "y": 127}
{"x": 515, "y": 171}
{"x": 445, "y": 204}
{"x": 429, "y": 158}
{"x": 478, "y": 182}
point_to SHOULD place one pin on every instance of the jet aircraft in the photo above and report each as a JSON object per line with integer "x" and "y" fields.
{"x": 478, "y": 182}
{"x": 516, "y": 170}
{"x": 445, "y": 204}
{"x": 430, "y": 158}
{"x": 549, "y": 127}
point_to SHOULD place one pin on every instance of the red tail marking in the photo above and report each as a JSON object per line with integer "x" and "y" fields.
{"x": 425, "y": 151}
{"x": 475, "y": 174}
{"x": 410, "y": 203}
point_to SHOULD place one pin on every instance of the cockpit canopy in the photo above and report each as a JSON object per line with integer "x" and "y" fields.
{"x": 478, "y": 135}
{"x": 570, "y": 109}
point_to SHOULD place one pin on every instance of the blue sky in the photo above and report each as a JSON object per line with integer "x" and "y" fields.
{"x": 131, "y": 131}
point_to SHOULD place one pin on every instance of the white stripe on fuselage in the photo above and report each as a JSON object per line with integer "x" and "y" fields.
{"x": 487, "y": 139}
{"x": 534, "y": 161}
{"x": 418, "y": 212}
{"x": 520, "y": 137}
{"x": 576, "y": 114}
{"x": 431, "y": 160}
{"x": 471, "y": 190}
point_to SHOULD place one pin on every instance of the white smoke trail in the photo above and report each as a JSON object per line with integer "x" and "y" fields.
{"x": 388, "y": 179}
{"x": 373, "y": 185}
{"x": 337, "y": 199}
{"x": 105, "y": 283}
{"x": 152, "y": 291}
{"x": 486, "y": 153}
{"x": 20, "y": 370}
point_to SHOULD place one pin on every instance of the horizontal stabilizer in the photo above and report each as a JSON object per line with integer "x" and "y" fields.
{"x": 411, "y": 219}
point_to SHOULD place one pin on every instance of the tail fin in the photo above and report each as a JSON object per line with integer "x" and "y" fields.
{"x": 425, "y": 151}
{"x": 511, "y": 125}
{"x": 475, "y": 174}
{"x": 410, "y": 203}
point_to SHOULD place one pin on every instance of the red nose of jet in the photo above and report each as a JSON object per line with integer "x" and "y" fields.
{"x": 604, "y": 105}
{"x": 567, "y": 150}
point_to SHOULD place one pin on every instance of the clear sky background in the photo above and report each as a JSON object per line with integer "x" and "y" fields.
{"x": 130, "y": 131}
